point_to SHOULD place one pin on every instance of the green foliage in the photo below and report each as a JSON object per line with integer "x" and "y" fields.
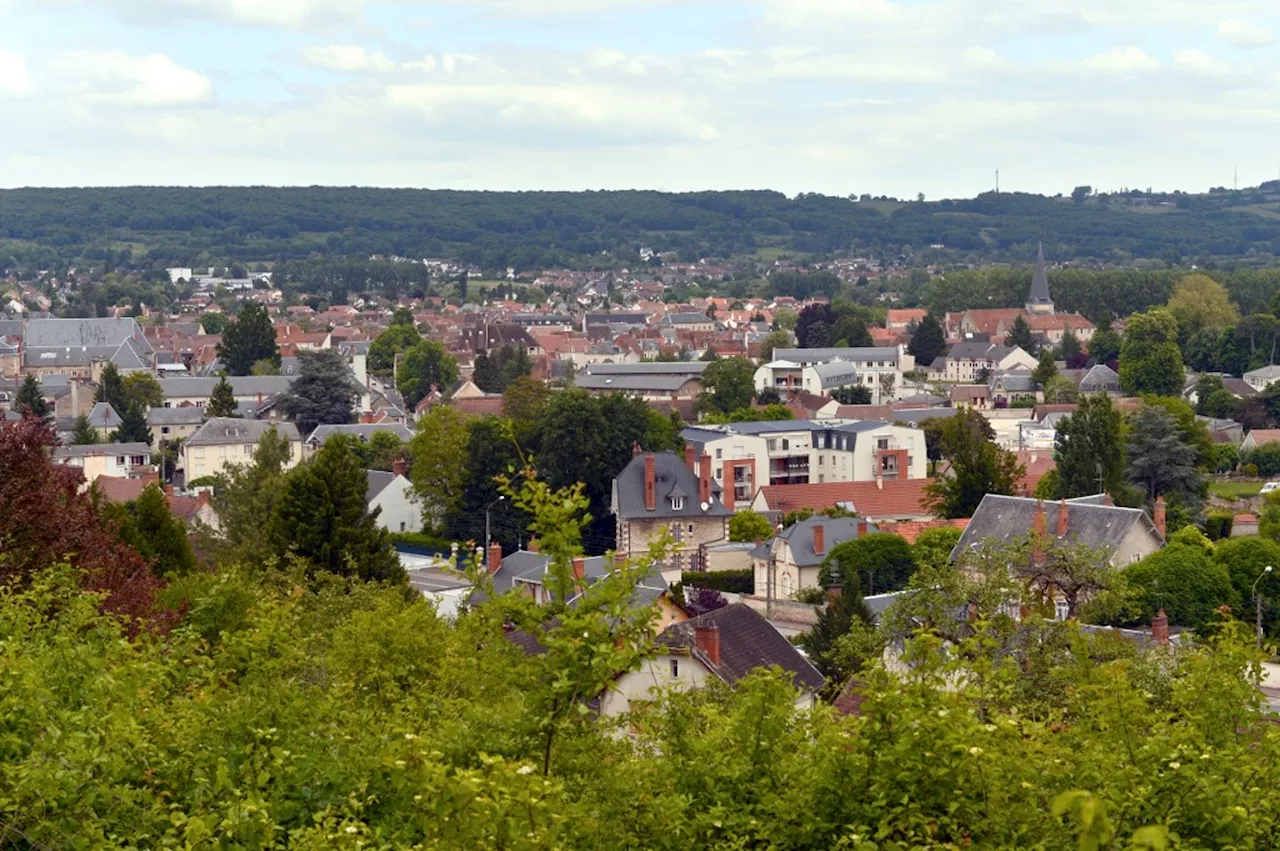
{"x": 1245, "y": 561}
{"x": 141, "y": 389}
{"x": 84, "y": 434}
{"x": 978, "y": 466}
{"x": 731, "y": 581}
{"x": 1093, "y": 435}
{"x": 1020, "y": 335}
{"x": 749, "y": 526}
{"x": 768, "y": 413}
{"x": 380, "y": 451}
{"x": 1184, "y": 580}
{"x": 878, "y": 562}
{"x": 1265, "y": 458}
{"x": 30, "y": 399}
{"x": 1160, "y": 460}
{"x": 322, "y": 517}
{"x": 324, "y": 393}
{"x": 110, "y": 387}
{"x": 495, "y": 372}
{"x": 439, "y": 453}
{"x": 426, "y": 365}
{"x": 854, "y": 394}
{"x": 245, "y": 501}
{"x": 222, "y": 401}
{"x": 1217, "y": 525}
{"x": 133, "y": 427}
{"x": 780, "y": 339}
{"x": 728, "y": 384}
{"x": 1060, "y": 390}
{"x": 1200, "y": 302}
{"x": 399, "y": 338}
{"x": 933, "y": 546}
{"x": 1046, "y": 369}
{"x": 264, "y": 367}
{"x": 1150, "y": 360}
{"x": 928, "y": 342}
{"x": 836, "y": 621}
{"x": 1213, "y": 399}
{"x": 249, "y": 338}
{"x": 147, "y": 525}
{"x": 213, "y": 323}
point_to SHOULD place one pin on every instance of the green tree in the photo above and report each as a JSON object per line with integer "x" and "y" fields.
{"x": 1150, "y": 360}
{"x": 746, "y": 526}
{"x": 1089, "y": 448}
{"x": 727, "y": 384}
{"x": 836, "y": 620}
{"x": 142, "y": 389}
{"x": 881, "y": 562}
{"x": 978, "y": 466}
{"x": 779, "y": 339}
{"x": 396, "y": 340}
{"x": 1104, "y": 345}
{"x": 1200, "y": 302}
{"x": 1184, "y": 580}
{"x": 523, "y": 403}
{"x": 84, "y": 434}
{"x": 133, "y": 427}
{"x": 1070, "y": 346}
{"x": 30, "y": 400}
{"x": 1213, "y": 399}
{"x": 147, "y": 525}
{"x": 324, "y": 519}
{"x": 854, "y": 394}
{"x": 245, "y": 502}
{"x": 1046, "y": 370}
{"x": 933, "y": 546}
{"x": 1160, "y": 461}
{"x": 1245, "y": 561}
{"x": 249, "y": 338}
{"x": 111, "y": 388}
{"x": 264, "y": 367}
{"x": 380, "y": 452}
{"x": 439, "y": 451}
{"x": 1020, "y": 335}
{"x": 928, "y": 343}
{"x": 1265, "y": 457}
{"x": 425, "y": 365}
{"x": 1060, "y": 390}
{"x": 222, "y": 401}
{"x": 213, "y": 323}
{"x": 324, "y": 393}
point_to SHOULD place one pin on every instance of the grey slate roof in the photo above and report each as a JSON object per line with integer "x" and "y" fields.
{"x": 1102, "y": 378}
{"x": 229, "y": 430}
{"x": 979, "y": 351}
{"x": 92, "y": 333}
{"x": 188, "y": 415}
{"x": 360, "y": 431}
{"x": 378, "y": 481}
{"x": 185, "y": 386}
{"x": 685, "y": 319}
{"x": 650, "y": 383}
{"x": 670, "y": 472}
{"x": 102, "y": 449}
{"x": 1040, "y": 281}
{"x": 104, "y": 416}
{"x": 835, "y": 530}
{"x": 835, "y": 374}
{"x": 652, "y": 368}
{"x": 1089, "y": 522}
{"x": 747, "y": 642}
{"x": 857, "y": 353}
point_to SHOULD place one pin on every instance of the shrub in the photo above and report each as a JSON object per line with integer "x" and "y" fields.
{"x": 730, "y": 581}
{"x": 1217, "y": 526}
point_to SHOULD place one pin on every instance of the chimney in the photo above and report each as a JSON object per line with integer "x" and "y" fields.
{"x": 579, "y": 573}
{"x": 1062, "y": 519}
{"x": 861, "y": 527}
{"x": 704, "y": 479}
{"x": 399, "y": 466}
{"x": 1158, "y": 516}
{"x": 689, "y": 459}
{"x": 1038, "y": 524}
{"x": 619, "y": 559}
{"x": 259, "y": 400}
{"x": 833, "y": 593}
{"x": 650, "y": 485}
{"x": 707, "y": 639}
{"x": 533, "y": 546}
{"x": 1160, "y": 628}
{"x": 879, "y": 475}
{"x": 204, "y": 497}
{"x": 1107, "y": 500}
{"x": 819, "y": 539}
{"x": 635, "y": 449}
{"x": 495, "y": 558}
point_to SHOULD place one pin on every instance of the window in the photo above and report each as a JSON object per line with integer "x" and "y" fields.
{"x": 164, "y": 429}
{"x": 248, "y": 449}
{"x": 786, "y": 444}
{"x": 719, "y": 454}
{"x": 1060, "y": 610}
{"x": 675, "y": 669}
{"x": 120, "y": 460}
{"x": 690, "y": 528}
{"x": 882, "y": 443}
{"x": 677, "y": 503}
{"x": 402, "y": 526}
{"x": 137, "y": 460}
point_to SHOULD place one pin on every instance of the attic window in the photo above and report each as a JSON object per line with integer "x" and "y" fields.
{"x": 677, "y": 503}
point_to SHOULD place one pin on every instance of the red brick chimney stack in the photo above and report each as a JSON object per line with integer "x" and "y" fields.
{"x": 704, "y": 479}
{"x": 399, "y": 466}
{"x": 650, "y": 483}
{"x": 495, "y": 558}
{"x": 1062, "y": 519}
{"x": 707, "y": 639}
{"x": 819, "y": 539}
{"x": 1160, "y": 628}
{"x": 689, "y": 458}
{"x": 1158, "y": 516}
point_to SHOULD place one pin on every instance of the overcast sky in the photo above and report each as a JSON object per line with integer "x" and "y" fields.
{"x": 835, "y": 96}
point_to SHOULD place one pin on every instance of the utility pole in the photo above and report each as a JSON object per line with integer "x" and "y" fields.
{"x": 997, "y": 181}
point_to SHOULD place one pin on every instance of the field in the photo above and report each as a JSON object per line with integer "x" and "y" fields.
{"x": 1235, "y": 490}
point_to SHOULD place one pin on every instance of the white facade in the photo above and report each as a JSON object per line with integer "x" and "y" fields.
{"x": 399, "y": 511}
{"x": 666, "y": 671}
{"x": 1261, "y": 379}
{"x": 794, "y": 369}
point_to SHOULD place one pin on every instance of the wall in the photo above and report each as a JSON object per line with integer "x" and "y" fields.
{"x": 634, "y": 536}
{"x": 654, "y": 674}
{"x": 399, "y": 512}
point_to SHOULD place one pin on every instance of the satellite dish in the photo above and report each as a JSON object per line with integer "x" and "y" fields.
{"x": 705, "y": 506}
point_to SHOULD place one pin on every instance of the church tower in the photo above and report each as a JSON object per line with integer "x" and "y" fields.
{"x": 1040, "y": 304}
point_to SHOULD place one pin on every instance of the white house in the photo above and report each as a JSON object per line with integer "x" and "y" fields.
{"x": 823, "y": 370}
{"x": 223, "y": 441}
{"x": 393, "y": 494}
{"x": 1261, "y": 379}
{"x": 117, "y": 460}
{"x": 966, "y": 360}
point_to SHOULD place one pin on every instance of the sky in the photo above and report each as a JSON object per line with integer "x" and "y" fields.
{"x": 892, "y": 97}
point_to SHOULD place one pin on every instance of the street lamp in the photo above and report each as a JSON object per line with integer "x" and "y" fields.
{"x": 486, "y": 523}
{"x": 1257, "y": 604}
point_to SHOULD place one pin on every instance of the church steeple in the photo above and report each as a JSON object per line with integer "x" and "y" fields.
{"x": 1040, "y": 302}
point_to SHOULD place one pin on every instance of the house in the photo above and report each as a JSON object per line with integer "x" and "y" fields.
{"x": 726, "y": 645}
{"x": 188, "y": 509}
{"x": 1013, "y": 386}
{"x": 878, "y": 368}
{"x": 660, "y": 494}
{"x": 120, "y": 460}
{"x": 882, "y": 501}
{"x": 790, "y": 561}
{"x": 904, "y": 319}
{"x": 104, "y": 420}
{"x": 392, "y": 495}
{"x": 80, "y": 348}
{"x": 1127, "y": 534}
{"x": 1223, "y": 431}
{"x": 653, "y": 380}
{"x": 966, "y": 362}
{"x": 1100, "y": 379}
{"x": 223, "y": 441}
{"x": 169, "y": 425}
{"x": 964, "y": 396}
{"x": 1261, "y": 379}
{"x": 362, "y": 432}
{"x": 255, "y": 389}
{"x": 1259, "y": 437}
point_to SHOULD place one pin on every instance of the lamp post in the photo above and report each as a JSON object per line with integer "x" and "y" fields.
{"x": 1257, "y": 605}
{"x": 487, "y": 508}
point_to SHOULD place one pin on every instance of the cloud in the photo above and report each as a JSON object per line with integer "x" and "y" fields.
{"x": 286, "y": 14}
{"x": 147, "y": 81}
{"x": 982, "y": 58}
{"x": 348, "y": 59}
{"x": 1118, "y": 61}
{"x": 14, "y": 78}
{"x": 1241, "y": 33}
{"x": 1199, "y": 62}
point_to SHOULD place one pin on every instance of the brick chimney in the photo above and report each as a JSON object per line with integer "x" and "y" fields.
{"x": 495, "y": 558}
{"x": 1158, "y": 515}
{"x": 707, "y": 639}
{"x": 860, "y": 527}
{"x": 168, "y": 490}
{"x": 1160, "y": 628}
{"x": 704, "y": 479}
{"x": 650, "y": 483}
{"x": 819, "y": 539}
{"x": 620, "y": 559}
{"x": 1038, "y": 523}
{"x": 689, "y": 458}
{"x": 1107, "y": 500}
{"x": 879, "y": 474}
{"x": 579, "y": 568}
{"x": 1062, "y": 519}
{"x": 533, "y": 546}
{"x": 204, "y": 497}
{"x": 834, "y": 592}
{"x": 399, "y": 466}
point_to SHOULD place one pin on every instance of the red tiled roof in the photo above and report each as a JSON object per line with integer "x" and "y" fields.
{"x": 1265, "y": 435}
{"x": 479, "y": 406}
{"x": 911, "y": 529}
{"x": 1075, "y": 321}
{"x": 896, "y": 498}
{"x": 1037, "y": 465}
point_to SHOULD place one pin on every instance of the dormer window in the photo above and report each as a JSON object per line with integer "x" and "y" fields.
{"x": 677, "y": 503}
